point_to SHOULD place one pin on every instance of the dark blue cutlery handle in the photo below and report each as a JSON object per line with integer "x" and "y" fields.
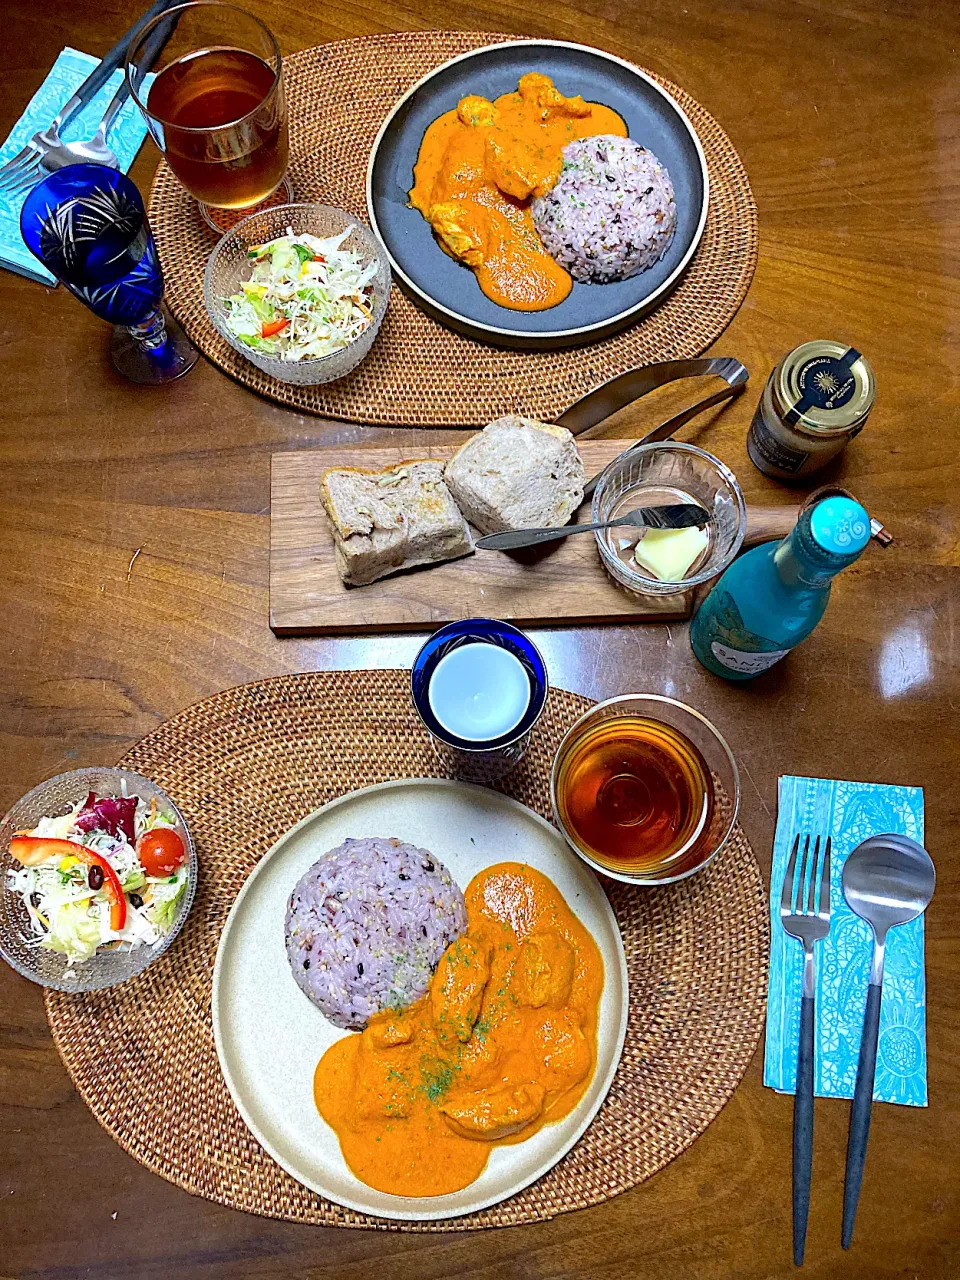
{"x": 803, "y": 1131}
{"x": 104, "y": 69}
{"x": 860, "y": 1112}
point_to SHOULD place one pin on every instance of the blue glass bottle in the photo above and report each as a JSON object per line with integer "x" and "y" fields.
{"x": 775, "y": 594}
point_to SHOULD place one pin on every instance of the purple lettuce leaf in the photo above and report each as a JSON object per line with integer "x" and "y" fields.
{"x": 113, "y": 814}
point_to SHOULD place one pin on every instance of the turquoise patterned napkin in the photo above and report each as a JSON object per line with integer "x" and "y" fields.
{"x": 126, "y": 137}
{"x": 849, "y": 812}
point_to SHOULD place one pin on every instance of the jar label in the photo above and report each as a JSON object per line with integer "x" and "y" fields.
{"x": 762, "y": 441}
{"x": 825, "y": 382}
{"x": 746, "y": 664}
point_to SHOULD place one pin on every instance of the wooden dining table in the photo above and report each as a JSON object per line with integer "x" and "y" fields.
{"x": 134, "y": 536}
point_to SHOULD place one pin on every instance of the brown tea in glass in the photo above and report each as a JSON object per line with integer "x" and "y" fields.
{"x": 644, "y": 788}
{"x": 636, "y": 794}
{"x": 216, "y": 108}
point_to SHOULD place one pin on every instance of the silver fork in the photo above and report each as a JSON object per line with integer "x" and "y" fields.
{"x": 29, "y": 156}
{"x": 805, "y": 914}
{"x": 92, "y": 150}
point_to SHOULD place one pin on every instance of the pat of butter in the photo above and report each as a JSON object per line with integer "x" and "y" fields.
{"x": 669, "y": 553}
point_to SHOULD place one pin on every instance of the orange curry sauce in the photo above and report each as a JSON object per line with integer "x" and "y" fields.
{"x": 479, "y": 169}
{"x": 503, "y": 1042}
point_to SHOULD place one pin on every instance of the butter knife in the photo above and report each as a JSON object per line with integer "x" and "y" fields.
{"x": 675, "y": 515}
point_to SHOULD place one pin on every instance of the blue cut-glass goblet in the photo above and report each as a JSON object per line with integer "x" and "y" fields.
{"x": 87, "y": 224}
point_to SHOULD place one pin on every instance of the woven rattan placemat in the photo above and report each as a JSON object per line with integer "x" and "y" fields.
{"x": 244, "y": 766}
{"x": 419, "y": 373}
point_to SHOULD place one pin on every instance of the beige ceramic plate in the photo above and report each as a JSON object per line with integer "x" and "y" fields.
{"x": 270, "y": 1037}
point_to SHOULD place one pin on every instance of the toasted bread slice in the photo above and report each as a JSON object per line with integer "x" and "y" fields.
{"x": 384, "y": 521}
{"x": 517, "y": 474}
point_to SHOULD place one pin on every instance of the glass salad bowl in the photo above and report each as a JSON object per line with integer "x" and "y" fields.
{"x": 664, "y": 473}
{"x": 18, "y": 941}
{"x": 230, "y": 266}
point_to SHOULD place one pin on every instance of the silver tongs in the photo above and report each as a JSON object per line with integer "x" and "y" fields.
{"x": 610, "y": 397}
{"x": 598, "y": 405}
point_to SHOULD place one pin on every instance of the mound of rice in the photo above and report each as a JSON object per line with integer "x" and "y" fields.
{"x": 612, "y": 212}
{"x": 366, "y": 927}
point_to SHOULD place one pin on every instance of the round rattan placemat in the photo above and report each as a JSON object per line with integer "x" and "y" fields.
{"x": 419, "y": 373}
{"x": 244, "y": 766}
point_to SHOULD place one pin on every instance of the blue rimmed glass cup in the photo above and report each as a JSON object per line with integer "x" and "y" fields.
{"x": 479, "y": 686}
{"x": 86, "y": 223}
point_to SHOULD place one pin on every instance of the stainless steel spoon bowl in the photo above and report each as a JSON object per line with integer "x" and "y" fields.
{"x": 887, "y": 880}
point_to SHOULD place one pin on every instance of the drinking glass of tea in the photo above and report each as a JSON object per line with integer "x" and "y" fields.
{"x": 216, "y": 108}
{"x": 645, "y": 789}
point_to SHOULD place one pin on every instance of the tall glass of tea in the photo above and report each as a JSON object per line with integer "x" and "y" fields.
{"x": 216, "y": 107}
{"x": 645, "y": 789}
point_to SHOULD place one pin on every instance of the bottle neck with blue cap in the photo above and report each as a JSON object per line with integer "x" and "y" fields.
{"x": 828, "y": 537}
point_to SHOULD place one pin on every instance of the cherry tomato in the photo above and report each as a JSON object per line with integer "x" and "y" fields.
{"x": 160, "y": 851}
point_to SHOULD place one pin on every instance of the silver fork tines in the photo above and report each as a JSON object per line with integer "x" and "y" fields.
{"x": 805, "y": 899}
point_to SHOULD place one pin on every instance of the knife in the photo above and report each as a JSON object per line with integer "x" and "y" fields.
{"x": 676, "y": 515}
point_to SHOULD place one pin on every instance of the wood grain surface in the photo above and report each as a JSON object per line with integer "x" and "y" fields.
{"x": 564, "y": 583}
{"x": 134, "y": 538}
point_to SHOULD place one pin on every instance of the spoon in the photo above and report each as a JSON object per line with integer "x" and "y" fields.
{"x": 675, "y": 515}
{"x": 887, "y": 880}
{"x": 96, "y": 150}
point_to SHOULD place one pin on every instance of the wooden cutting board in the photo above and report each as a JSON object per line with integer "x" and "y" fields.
{"x": 564, "y": 583}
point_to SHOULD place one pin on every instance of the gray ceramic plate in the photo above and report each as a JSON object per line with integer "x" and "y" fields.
{"x": 447, "y": 289}
{"x": 270, "y": 1037}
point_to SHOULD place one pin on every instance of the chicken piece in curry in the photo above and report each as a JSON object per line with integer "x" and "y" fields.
{"x": 479, "y": 169}
{"x": 503, "y": 1042}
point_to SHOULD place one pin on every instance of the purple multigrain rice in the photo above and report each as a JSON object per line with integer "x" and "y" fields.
{"x": 612, "y": 212}
{"x": 366, "y": 927}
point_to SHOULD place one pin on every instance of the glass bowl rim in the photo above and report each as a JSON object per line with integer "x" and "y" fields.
{"x": 149, "y": 952}
{"x": 621, "y": 876}
{"x": 677, "y": 446}
{"x": 137, "y": 43}
{"x": 219, "y": 249}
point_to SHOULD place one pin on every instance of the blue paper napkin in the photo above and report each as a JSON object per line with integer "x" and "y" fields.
{"x": 849, "y": 812}
{"x": 126, "y": 137}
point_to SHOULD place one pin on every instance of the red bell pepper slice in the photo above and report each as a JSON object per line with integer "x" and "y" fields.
{"x": 272, "y": 327}
{"x": 30, "y": 851}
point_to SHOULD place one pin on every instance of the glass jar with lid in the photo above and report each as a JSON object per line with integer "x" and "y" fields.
{"x": 815, "y": 401}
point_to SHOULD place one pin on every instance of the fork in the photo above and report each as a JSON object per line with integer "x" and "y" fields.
{"x": 805, "y": 914}
{"x": 92, "y": 150}
{"x": 29, "y": 156}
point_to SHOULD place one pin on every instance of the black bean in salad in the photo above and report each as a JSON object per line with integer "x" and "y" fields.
{"x": 95, "y": 877}
{"x": 135, "y": 900}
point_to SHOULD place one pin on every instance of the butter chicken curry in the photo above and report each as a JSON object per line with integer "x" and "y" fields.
{"x": 503, "y": 1042}
{"x": 478, "y": 171}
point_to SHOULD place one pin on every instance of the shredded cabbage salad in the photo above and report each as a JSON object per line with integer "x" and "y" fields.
{"x": 306, "y": 297}
{"x": 66, "y": 912}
